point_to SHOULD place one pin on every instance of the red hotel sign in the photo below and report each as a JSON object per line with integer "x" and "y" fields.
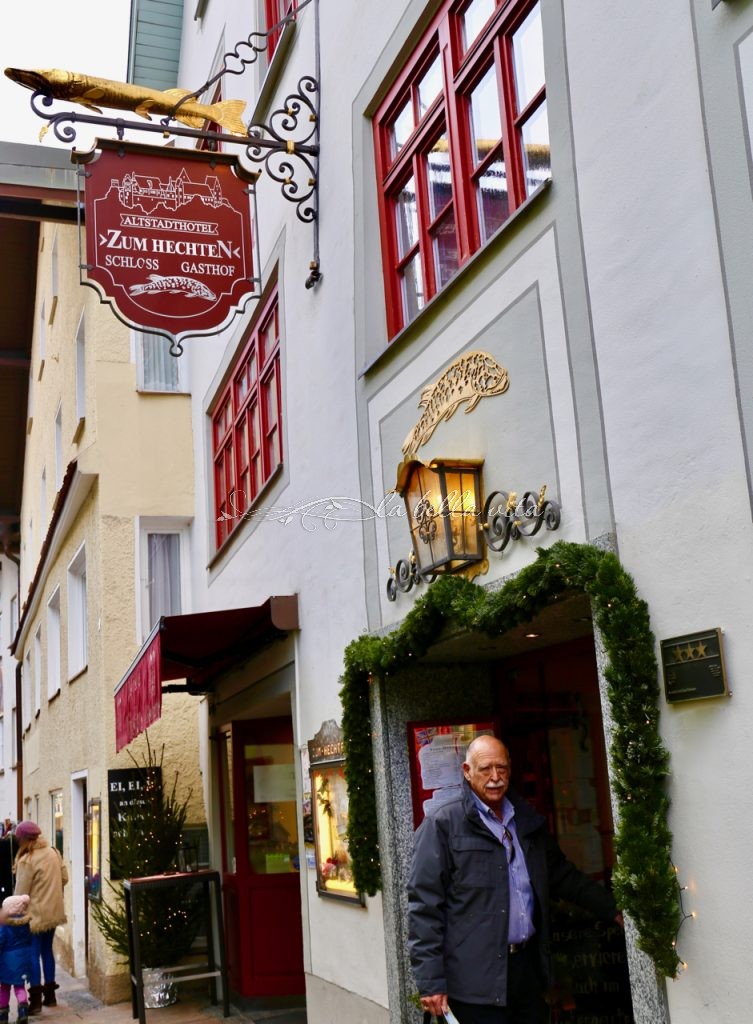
{"x": 138, "y": 697}
{"x": 168, "y": 235}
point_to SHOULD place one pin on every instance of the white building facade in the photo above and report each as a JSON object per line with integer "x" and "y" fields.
{"x": 532, "y": 224}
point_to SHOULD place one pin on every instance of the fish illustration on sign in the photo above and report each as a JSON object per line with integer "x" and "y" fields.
{"x": 470, "y": 378}
{"x": 95, "y": 93}
{"x": 187, "y": 286}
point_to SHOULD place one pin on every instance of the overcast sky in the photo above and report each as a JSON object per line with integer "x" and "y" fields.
{"x": 89, "y": 36}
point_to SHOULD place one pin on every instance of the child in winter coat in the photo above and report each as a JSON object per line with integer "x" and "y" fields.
{"x": 15, "y": 955}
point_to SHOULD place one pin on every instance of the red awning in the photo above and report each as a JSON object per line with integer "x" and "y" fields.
{"x": 197, "y": 648}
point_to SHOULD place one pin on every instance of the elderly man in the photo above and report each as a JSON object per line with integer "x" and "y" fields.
{"x": 484, "y": 869}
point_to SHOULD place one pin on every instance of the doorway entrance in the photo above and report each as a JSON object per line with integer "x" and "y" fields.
{"x": 80, "y": 917}
{"x": 550, "y": 710}
{"x": 260, "y": 861}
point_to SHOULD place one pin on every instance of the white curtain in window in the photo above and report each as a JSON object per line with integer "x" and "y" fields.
{"x": 163, "y": 552}
{"x": 160, "y": 369}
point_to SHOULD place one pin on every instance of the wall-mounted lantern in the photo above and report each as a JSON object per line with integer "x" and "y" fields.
{"x": 450, "y": 524}
{"x": 443, "y": 500}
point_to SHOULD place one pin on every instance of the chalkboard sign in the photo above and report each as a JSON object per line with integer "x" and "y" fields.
{"x": 125, "y": 788}
{"x": 693, "y": 666}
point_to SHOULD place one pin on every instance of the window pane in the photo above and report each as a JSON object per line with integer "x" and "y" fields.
{"x": 163, "y": 581}
{"x": 241, "y": 387}
{"x": 528, "y": 58}
{"x": 267, "y": 340}
{"x": 407, "y": 217}
{"x": 445, "y": 243}
{"x": 536, "y": 155}
{"x": 412, "y": 284}
{"x": 429, "y": 87}
{"x": 256, "y": 475}
{"x": 486, "y": 125}
{"x": 160, "y": 369}
{"x": 270, "y": 389}
{"x": 273, "y": 451}
{"x": 439, "y": 178}
{"x": 221, "y": 423}
{"x": 401, "y": 128}
{"x": 493, "y": 204}
{"x": 254, "y": 429}
{"x": 242, "y": 444}
{"x": 271, "y": 808}
{"x": 476, "y": 15}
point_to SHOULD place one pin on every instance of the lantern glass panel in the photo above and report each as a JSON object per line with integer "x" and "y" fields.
{"x": 462, "y": 508}
{"x": 424, "y": 504}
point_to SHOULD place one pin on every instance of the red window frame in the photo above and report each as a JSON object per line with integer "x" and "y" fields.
{"x": 275, "y": 11}
{"x": 247, "y": 423}
{"x": 449, "y": 114}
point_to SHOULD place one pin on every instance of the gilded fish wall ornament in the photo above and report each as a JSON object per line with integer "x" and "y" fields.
{"x": 95, "y": 93}
{"x": 471, "y": 377}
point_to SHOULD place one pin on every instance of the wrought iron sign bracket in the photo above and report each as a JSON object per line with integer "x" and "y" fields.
{"x": 286, "y": 146}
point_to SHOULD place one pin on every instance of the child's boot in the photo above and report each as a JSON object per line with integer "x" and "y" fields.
{"x": 23, "y": 1012}
{"x": 4, "y": 1014}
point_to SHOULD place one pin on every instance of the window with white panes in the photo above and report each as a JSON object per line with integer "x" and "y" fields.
{"x": 77, "y": 614}
{"x": 53, "y": 644}
{"x": 247, "y": 423}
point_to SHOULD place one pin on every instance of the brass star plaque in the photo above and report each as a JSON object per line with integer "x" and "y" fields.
{"x": 693, "y": 666}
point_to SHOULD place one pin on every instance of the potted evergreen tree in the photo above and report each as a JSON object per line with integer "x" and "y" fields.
{"x": 145, "y": 841}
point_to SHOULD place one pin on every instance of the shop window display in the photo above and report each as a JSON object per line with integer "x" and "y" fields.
{"x": 334, "y": 871}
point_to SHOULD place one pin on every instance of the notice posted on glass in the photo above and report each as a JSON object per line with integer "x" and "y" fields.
{"x": 441, "y": 752}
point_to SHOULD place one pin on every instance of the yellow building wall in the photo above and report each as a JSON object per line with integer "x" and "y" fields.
{"x": 138, "y": 449}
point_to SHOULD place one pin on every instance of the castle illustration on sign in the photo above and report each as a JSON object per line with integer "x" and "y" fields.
{"x": 147, "y": 193}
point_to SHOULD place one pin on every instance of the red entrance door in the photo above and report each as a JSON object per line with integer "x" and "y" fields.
{"x": 261, "y": 885}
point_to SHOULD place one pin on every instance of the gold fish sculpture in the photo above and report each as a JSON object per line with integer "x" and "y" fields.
{"x": 471, "y": 377}
{"x": 95, "y": 93}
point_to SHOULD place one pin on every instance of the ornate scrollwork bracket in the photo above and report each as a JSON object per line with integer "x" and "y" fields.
{"x": 286, "y": 146}
{"x": 506, "y": 518}
{"x": 405, "y": 576}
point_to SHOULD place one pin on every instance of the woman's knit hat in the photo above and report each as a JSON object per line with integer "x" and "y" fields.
{"x": 15, "y": 906}
{"x": 27, "y": 830}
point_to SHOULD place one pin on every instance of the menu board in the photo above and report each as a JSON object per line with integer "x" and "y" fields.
{"x": 437, "y": 753}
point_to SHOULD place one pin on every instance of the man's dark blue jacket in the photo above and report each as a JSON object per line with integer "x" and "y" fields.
{"x": 458, "y": 898}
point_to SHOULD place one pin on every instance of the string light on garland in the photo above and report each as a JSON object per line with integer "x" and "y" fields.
{"x": 684, "y": 916}
{"x": 644, "y": 881}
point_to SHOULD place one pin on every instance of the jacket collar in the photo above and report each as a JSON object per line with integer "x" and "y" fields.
{"x": 527, "y": 818}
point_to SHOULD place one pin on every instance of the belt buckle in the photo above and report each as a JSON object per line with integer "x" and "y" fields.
{"x": 516, "y": 947}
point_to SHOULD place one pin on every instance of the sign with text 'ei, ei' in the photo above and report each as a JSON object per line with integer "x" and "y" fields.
{"x": 169, "y": 239}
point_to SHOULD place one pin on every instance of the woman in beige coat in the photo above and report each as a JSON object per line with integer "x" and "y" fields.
{"x": 40, "y": 875}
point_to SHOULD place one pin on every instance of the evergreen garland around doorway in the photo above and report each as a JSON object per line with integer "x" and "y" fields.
{"x": 644, "y": 879}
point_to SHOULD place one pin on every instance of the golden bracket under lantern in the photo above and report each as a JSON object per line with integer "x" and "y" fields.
{"x": 286, "y": 146}
{"x": 452, "y": 527}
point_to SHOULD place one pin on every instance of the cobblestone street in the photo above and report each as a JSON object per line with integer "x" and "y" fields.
{"x": 76, "y": 1003}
